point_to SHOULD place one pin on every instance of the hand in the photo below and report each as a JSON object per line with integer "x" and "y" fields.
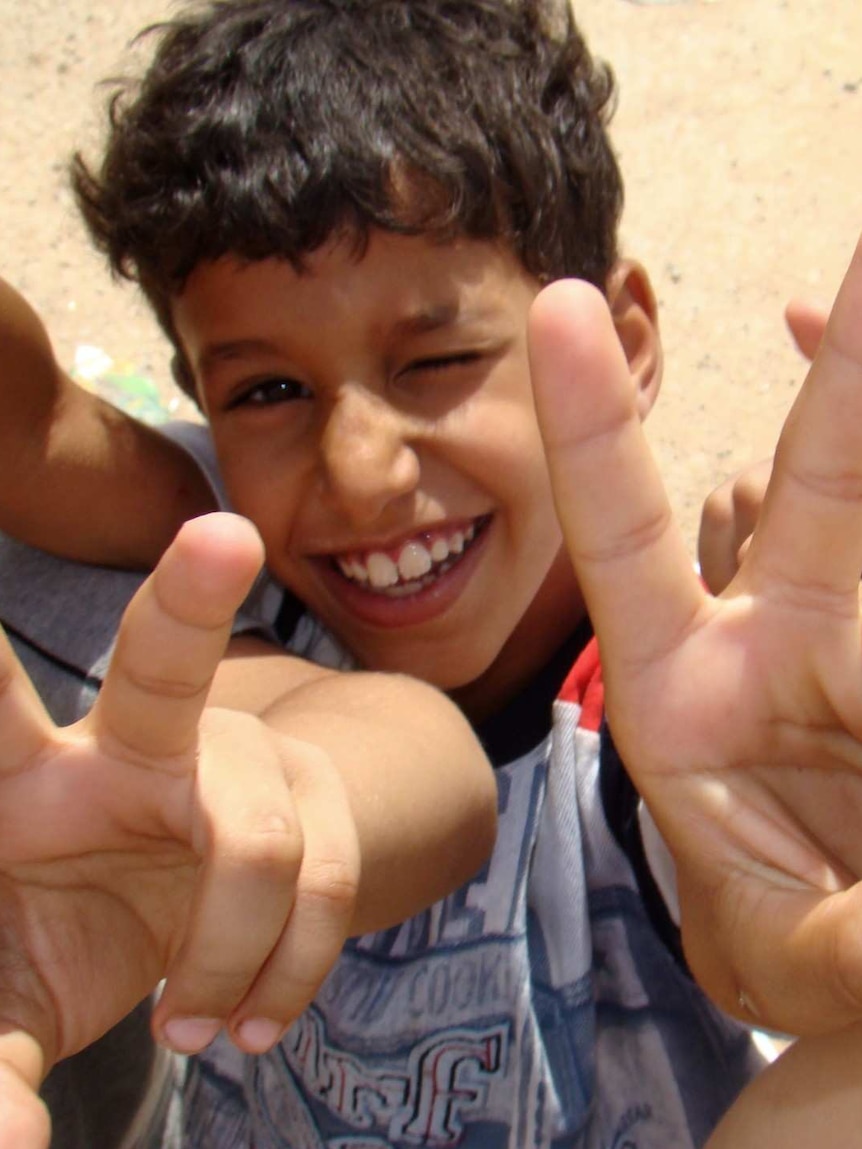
{"x": 731, "y": 511}
{"x": 154, "y": 839}
{"x": 739, "y": 717}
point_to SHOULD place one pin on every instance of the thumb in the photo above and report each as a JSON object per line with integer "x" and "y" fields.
{"x": 24, "y": 1120}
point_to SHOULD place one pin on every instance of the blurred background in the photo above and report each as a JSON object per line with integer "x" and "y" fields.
{"x": 738, "y": 128}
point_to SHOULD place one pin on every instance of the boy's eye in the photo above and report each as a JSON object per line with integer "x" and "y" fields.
{"x": 443, "y": 362}
{"x": 267, "y": 392}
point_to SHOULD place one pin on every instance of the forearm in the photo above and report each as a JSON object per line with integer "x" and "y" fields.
{"x": 98, "y": 486}
{"x": 810, "y": 1097}
{"x": 77, "y": 476}
{"x": 421, "y": 790}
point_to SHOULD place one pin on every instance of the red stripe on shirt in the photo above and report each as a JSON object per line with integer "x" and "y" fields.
{"x": 584, "y": 686}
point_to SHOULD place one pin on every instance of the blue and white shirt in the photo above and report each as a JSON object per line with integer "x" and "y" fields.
{"x": 544, "y": 1004}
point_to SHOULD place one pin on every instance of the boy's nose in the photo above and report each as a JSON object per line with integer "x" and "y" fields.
{"x": 367, "y": 456}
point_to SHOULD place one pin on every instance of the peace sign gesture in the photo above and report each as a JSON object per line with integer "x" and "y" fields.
{"x": 739, "y": 717}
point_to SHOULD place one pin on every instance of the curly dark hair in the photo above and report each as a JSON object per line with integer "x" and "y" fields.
{"x": 263, "y": 127}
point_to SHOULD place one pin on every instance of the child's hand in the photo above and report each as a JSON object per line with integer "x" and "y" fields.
{"x": 740, "y": 717}
{"x": 148, "y": 841}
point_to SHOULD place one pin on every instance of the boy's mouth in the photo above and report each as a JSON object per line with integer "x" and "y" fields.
{"x": 413, "y": 565}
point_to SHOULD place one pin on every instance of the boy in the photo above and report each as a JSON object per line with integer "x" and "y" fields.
{"x": 820, "y": 1075}
{"x": 349, "y": 308}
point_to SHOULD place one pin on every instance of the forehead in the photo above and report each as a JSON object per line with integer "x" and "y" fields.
{"x": 396, "y": 284}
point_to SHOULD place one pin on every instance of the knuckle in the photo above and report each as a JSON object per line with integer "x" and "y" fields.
{"x": 160, "y": 685}
{"x": 212, "y": 990}
{"x": 329, "y": 884}
{"x": 846, "y": 962}
{"x": 267, "y": 845}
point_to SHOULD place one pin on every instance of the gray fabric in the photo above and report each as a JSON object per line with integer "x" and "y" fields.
{"x": 61, "y": 618}
{"x": 94, "y": 1096}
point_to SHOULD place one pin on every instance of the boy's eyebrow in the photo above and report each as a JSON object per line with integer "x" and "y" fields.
{"x": 429, "y": 319}
{"x": 214, "y": 353}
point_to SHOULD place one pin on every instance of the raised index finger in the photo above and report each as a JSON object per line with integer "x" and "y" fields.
{"x": 630, "y": 559}
{"x": 173, "y": 635}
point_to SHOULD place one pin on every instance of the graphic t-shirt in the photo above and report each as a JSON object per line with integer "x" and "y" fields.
{"x": 543, "y": 1004}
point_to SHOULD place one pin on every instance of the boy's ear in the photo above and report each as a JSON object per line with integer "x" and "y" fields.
{"x": 635, "y": 314}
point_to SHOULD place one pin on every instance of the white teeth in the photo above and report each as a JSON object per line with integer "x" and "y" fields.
{"x": 353, "y": 569}
{"x": 439, "y": 550}
{"x": 414, "y": 561}
{"x": 382, "y": 571}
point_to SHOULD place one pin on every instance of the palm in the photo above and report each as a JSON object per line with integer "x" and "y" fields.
{"x": 749, "y": 729}
{"x": 100, "y": 901}
{"x": 740, "y": 718}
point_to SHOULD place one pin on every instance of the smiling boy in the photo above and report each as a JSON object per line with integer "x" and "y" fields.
{"x": 342, "y": 214}
{"x": 373, "y": 416}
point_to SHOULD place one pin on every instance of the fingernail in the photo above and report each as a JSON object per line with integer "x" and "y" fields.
{"x": 190, "y": 1034}
{"x": 259, "y": 1034}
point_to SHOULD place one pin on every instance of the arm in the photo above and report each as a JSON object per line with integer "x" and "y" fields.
{"x": 808, "y": 1098}
{"x": 739, "y": 717}
{"x": 78, "y": 477}
{"x": 407, "y": 758}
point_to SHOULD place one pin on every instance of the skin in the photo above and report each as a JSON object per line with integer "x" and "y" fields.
{"x": 739, "y": 716}
{"x": 63, "y": 449}
{"x": 809, "y": 1098}
{"x": 370, "y": 401}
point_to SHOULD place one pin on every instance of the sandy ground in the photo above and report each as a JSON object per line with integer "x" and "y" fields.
{"x": 738, "y": 130}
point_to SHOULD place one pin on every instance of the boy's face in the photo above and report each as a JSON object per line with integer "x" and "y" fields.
{"x": 373, "y": 417}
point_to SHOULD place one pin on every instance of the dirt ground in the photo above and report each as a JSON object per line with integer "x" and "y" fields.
{"x": 738, "y": 130}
